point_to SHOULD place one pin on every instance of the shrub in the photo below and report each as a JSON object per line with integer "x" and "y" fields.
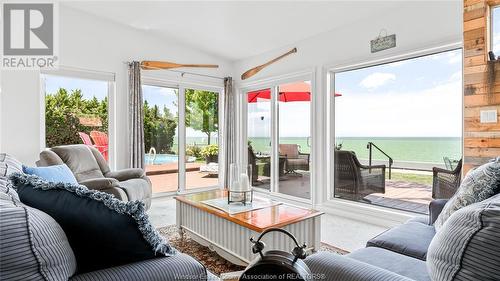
{"x": 194, "y": 150}
{"x": 210, "y": 150}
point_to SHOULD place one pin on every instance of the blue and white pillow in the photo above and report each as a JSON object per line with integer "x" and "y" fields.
{"x": 55, "y": 173}
{"x": 478, "y": 185}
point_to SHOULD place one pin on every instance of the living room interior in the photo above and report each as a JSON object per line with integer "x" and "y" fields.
{"x": 186, "y": 140}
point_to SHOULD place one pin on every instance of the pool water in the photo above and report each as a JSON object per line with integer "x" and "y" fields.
{"x": 165, "y": 159}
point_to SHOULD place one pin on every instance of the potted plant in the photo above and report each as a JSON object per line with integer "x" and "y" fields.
{"x": 211, "y": 153}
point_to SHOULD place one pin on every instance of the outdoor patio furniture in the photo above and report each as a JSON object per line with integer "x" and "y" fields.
{"x": 354, "y": 180}
{"x": 85, "y": 138}
{"x": 255, "y": 163}
{"x": 445, "y": 182}
{"x": 294, "y": 159}
{"x": 91, "y": 170}
{"x": 449, "y": 163}
{"x": 100, "y": 142}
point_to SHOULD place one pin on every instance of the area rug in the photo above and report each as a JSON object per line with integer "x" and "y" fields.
{"x": 210, "y": 259}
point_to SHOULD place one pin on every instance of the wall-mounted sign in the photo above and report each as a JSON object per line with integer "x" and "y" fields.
{"x": 383, "y": 43}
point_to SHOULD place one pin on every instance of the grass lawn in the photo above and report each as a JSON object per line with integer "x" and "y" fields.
{"x": 409, "y": 177}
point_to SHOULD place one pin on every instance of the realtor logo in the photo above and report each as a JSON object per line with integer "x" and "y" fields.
{"x": 28, "y": 35}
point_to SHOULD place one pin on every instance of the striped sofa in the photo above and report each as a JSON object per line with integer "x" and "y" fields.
{"x": 34, "y": 247}
{"x": 467, "y": 247}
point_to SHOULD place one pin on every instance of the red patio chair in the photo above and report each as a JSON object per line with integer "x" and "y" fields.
{"x": 100, "y": 142}
{"x": 85, "y": 138}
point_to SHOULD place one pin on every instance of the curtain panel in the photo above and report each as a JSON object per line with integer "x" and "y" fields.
{"x": 136, "y": 116}
{"x": 229, "y": 130}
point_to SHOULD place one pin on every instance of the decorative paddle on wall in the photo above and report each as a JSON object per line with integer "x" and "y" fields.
{"x": 251, "y": 72}
{"x": 155, "y": 65}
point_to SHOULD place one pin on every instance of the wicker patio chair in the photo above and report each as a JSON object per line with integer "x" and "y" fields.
{"x": 294, "y": 159}
{"x": 445, "y": 182}
{"x": 354, "y": 180}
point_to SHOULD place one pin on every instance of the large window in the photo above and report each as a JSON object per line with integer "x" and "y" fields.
{"x": 76, "y": 111}
{"x": 495, "y": 30}
{"x": 197, "y": 138}
{"x": 409, "y": 111}
{"x": 279, "y": 140}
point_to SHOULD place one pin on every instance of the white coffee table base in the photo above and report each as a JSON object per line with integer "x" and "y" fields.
{"x": 232, "y": 241}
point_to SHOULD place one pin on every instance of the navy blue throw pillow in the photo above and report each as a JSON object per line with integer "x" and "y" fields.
{"x": 102, "y": 230}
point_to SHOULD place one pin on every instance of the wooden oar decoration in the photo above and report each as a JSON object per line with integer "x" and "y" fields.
{"x": 155, "y": 65}
{"x": 251, "y": 72}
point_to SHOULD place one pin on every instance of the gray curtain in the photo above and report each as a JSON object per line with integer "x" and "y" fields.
{"x": 229, "y": 129}
{"x": 136, "y": 116}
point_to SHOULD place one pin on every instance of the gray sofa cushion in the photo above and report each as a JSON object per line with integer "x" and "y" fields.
{"x": 137, "y": 189}
{"x": 80, "y": 160}
{"x": 328, "y": 266}
{"x": 468, "y": 245}
{"x": 410, "y": 239}
{"x": 178, "y": 267}
{"x": 33, "y": 245}
{"x": 478, "y": 185}
{"x": 405, "y": 266}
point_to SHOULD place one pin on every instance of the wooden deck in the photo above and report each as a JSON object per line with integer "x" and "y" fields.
{"x": 407, "y": 196}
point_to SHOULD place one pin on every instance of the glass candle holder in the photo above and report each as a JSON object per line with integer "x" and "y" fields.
{"x": 240, "y": 183}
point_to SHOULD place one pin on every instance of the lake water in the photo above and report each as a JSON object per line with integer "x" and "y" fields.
{"x": 420, "y": 150}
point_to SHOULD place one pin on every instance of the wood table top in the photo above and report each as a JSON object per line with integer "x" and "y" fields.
{"x": 256, "y": 220}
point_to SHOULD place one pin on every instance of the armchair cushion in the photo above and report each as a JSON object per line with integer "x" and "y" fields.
{"x": 100, "y": 183}
{"x": 126, "y": 174}
{"x": 410, "y": 239}
{"x": 80, "y": 160}
{"x": 56, "y": 173}
{"x": 102, "y": 230}
{"x": 467, "y": 246}
{"x": 435, "y": 208}
{"x": 478, "y": 185}
{"x": 332, "y": 267}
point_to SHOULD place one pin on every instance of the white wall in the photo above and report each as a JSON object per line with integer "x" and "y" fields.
{"x": 419, "y": 25}
{"x": 91, "y": 43}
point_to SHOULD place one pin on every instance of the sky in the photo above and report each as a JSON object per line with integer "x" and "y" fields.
{"x": 90, "y": 88}
{"x": 420, "y": 97}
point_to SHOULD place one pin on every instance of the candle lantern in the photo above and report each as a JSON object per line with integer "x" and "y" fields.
{"x": 240, "y": 184}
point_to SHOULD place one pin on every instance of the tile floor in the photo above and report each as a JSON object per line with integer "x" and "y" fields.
{"x": 338, "y": 231}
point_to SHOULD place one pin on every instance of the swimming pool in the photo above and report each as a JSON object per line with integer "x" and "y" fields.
{"x": 165, "y": 159}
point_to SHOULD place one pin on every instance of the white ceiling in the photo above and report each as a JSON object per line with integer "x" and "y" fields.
{"x": 235, "y": 30}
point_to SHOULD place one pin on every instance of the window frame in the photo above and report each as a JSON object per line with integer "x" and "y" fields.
{"x": 273, "y": 83}
{"x": 489, "y": 25}
{"x": 330, "y": 80}
{"x": 181, "y": 86}
{"x": 74, "y": 73}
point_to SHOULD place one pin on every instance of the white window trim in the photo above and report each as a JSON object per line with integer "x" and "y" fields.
{"x": 169, "y": 82}
{"x": 357, "y": 210}
{"x": 489, "y": 26}
{"x": 77, "y": 73}
{"x": 272, "y": 83}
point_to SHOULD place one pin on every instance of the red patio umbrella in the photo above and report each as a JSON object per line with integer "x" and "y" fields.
{"x": 300, "y": 91}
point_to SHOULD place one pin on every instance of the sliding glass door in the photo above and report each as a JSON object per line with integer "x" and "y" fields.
{"x": 181, "y": 156}
{"x": 279, "y": 138}
{"x": 161, "y": 137}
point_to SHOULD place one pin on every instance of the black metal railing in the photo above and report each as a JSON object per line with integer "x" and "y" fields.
{"x": 370, "y": 146}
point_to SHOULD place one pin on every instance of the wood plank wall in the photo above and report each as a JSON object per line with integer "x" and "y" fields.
{"x": 481, "y": 141}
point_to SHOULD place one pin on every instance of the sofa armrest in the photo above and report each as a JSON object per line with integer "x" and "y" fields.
{"x": 126, "y": 174}
{"x": 100, "y": 183}
{"x": 435, "y": 208}
{"x": 333, "y": 267}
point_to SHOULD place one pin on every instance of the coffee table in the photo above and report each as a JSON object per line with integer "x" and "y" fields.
{"x": 229, "y": 235}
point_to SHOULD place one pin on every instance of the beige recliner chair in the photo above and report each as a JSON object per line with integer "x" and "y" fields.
{"x": 90, "y": 169}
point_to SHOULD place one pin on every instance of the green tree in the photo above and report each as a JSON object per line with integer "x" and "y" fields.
{"x": 62, "y": 110}
{"x": 202, "y": 111}
{"x": 159, "y": 128}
